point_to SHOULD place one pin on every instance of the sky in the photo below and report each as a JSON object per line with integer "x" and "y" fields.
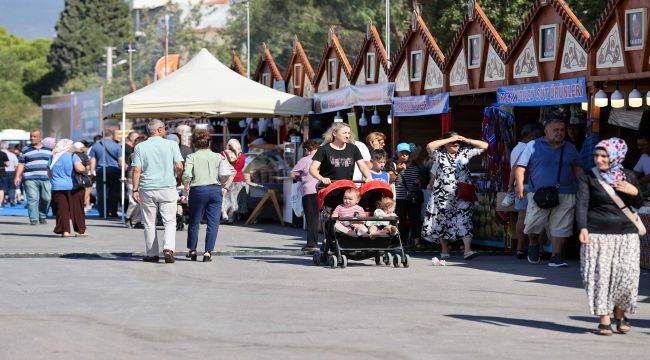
{"x": 30, "y": 19}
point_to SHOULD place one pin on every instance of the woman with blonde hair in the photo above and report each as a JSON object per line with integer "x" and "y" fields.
{"x": 235, "y": 199}
{"x": 335, "y": 159}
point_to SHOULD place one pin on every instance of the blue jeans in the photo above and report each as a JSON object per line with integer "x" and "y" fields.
{"x": 204, "y": 200}
{"x": 9, "y": 187}
{"x": 39, "y": 194}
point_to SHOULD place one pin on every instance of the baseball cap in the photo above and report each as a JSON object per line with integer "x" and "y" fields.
{"x": 403, "y": 147}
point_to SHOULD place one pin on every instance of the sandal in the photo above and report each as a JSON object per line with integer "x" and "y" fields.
{"x": 207, "y": 256}
{"x": 604, "y": 330}
{"x": 521, "y": 255}
{"x": 469, "y": 255}
{"x": 191, "y": 255}
{"x": 623, "y": 325}
{"x": 169, "y": 256}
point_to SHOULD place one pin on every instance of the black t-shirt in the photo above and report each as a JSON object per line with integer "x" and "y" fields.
{"x": 3, "y": 159}
{"x": 337, "y": 164}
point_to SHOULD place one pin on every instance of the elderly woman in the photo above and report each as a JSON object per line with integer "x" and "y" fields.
{"x": 448, "y": 216}
{"x": 609, "y": 255}
{"x": 67, "y": 196}
{"x": 336, "y": 157}
{"x": 235, "y": 199}
{"x": 309, "y": 200}
{"x": 201, "y": 180}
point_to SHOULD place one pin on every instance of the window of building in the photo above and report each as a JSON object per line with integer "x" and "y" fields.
{"x": 370, "y": 66}
{"x": 416, "y": 65}
{"x": 266, "y": 79}
{"x": 331, "y": 71}
{"x": 297, "y": 75}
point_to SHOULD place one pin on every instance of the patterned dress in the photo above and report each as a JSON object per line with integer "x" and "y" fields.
{"x": 446, "y": 216}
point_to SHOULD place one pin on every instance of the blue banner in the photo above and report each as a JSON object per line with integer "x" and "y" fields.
{"x": 569, "y": 91}
{"x": 430, "y": 104}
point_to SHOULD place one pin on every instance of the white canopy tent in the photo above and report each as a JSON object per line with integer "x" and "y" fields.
{"x": 204, "y": 87}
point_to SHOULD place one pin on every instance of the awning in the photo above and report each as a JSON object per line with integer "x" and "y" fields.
{"x": 350, "y": 96}
{"x": 568, "y": 91}
{"x": 430, "y": 104}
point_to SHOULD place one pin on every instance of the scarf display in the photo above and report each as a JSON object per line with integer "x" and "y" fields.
{"x": 61, "y": 148}
{"x": 616, "y": 150}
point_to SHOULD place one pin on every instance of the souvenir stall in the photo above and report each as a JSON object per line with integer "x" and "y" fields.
{"x": 371, "y": 67}
{"x": 420, "y": 104}
{"x": 299, "y": 78}
{"x": 619, "y": 76}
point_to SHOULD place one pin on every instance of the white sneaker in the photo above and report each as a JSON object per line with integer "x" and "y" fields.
{"x": 508, "y": 200}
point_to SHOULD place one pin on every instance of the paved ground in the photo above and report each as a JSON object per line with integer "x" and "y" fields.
{"x": 277, "y": 305}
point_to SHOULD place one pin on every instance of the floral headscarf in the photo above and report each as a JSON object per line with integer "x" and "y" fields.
{"x": 62, "y": 147}
{"x": 616, "y": 150}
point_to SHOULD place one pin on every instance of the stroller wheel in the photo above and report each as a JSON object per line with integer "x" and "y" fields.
{"x": 333, "y": 262}
{"x": 397, "y": 259}
{"x": 316, "y": 258}
{"x": 377, "y": 259}
{"x": 344, "y": 261}
{"x": 388, "y": 259}
{"x": 407, "y": 261}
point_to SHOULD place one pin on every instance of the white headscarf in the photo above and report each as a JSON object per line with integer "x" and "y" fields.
{"x": 62, "y": 147}
{"x": 234, "y": 145}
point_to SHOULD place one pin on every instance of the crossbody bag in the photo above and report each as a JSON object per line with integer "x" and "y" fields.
{"x": 633, "y": 216}
{"x": 548, "y": 197}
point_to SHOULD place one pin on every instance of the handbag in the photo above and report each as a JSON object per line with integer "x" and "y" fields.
{"x": 633, "y": 216}
{"x": 82, "y": 180}
{"x": 548, "y": 197}
{"x": 466, "y": 191}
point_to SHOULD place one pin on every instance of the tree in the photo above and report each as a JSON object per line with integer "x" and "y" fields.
{"x": 85, "y": 28}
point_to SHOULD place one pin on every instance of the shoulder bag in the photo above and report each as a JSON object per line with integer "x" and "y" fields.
{"x": 82, "y": 180}
{"x": 548, "y": 197}
{"x": 633, "y": 216}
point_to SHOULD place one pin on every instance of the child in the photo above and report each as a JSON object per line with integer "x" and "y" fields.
{"x": 350, "y": 208}
{"x": 408, "y": 182}
{"x": 378, "y": 158}
{"x": 385, "y": 208}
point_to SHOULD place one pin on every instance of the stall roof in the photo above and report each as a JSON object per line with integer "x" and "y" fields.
{"x": 372, "y": 37}
{"x": 236, "y": 64}
{"x": 298, "y": 51}
{"x": 488, "y": 30}
{"x": 206, "y": 87}
{"x": 419, "y": 27}
{"x": 334, "y": 44}
{"x": 267, "y": 58}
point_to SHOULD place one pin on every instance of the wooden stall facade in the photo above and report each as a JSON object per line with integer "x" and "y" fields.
{"x": 267, "y": 72}
{"x": 334, "y": 69}
{"x": 236, "y": 64}
{"x": 417, "y": 69}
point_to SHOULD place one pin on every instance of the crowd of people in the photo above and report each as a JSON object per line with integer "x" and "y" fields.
{"x": 554, "y": 196}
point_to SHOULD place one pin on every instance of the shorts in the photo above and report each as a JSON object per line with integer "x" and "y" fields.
{"x": 559, "y": 219}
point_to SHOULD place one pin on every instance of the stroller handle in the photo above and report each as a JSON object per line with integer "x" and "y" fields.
{"x": 320, "y": 185}
{"x": 369, "y": 218}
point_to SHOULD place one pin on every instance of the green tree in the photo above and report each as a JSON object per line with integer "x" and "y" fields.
{"x": 84, "y": 29}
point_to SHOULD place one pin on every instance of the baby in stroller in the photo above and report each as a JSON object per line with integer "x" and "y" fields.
{"x": 350, "y": 208}
{"x": 385, "y": 208}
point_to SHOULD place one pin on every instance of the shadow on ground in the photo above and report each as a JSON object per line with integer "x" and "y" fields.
{"x": 535, "y": 324}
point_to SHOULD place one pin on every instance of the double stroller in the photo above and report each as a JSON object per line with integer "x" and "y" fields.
{"x": 338, "y": 247}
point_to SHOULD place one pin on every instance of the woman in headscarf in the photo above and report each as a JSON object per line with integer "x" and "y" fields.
{"x": 609, "y": 256}
{"x": 67, "y": 195}
{"x": 235, "y": 198}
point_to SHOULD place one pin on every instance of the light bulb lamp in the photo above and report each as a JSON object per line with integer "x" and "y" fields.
{"x": 338, "y": 118}
{"x": 617, "y": 99}
{"x": 375, "y": 119}
{"x": 363, "y": 121}
{"x": 600, "y": 99}
{"x": 389, "y": 118}
{"x": 635, "y": 99}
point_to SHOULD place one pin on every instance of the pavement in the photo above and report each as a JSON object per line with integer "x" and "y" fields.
{"x": 92, "y": 298}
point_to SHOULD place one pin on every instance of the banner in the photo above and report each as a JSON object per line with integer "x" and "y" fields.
{"x": 279, "y": 85}
{"x": 568, "y": 91}
{"x": 350, "y": 96}
{"x": 75, "y": 116}
{"x": 172, "y": 65}
{"x": 430, "y": 104}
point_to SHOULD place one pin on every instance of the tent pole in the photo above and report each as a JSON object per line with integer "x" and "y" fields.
{"x": 123, "y": 164}
{"x": 104, "y": 171}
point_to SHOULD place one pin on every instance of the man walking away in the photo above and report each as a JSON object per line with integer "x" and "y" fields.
{"x": 551, "y": 163}
{"x": 10, "y": 173}
{"x": 112, "y": 161}
{"x": 155, "y": 162}
{"x": 33, "y": 170}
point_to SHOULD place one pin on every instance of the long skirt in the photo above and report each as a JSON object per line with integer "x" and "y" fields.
{"x": 447, "y": 217}
{"x": 610, "y": 272}
{"x": 235, "y": 200}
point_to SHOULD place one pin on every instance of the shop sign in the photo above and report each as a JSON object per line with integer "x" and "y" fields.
{"x": 350, "y": 96}
{"x": 430, "y": 104}
{"x": 568, "y": 91}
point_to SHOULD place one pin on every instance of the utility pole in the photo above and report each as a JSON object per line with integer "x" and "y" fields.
{"x": 131, "y": 50}
{"x": 166, "y": 40}
{"x": 388, "y": 29}
{"x": 109, "y": 64}
{"x": 248, "y": 41}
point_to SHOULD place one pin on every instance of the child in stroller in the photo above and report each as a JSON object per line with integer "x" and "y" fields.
{"x": 341, "y": 246}
{"x": 350, "y": 208}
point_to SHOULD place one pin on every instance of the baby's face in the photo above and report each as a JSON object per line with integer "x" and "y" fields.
{"x": 390, "y": 209}
{"x": 350, "y": 200}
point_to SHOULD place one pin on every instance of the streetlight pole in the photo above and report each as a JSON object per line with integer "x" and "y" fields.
{"x": 388, "y": 29}
{"x": 248, "y": 39}
{"x": 131, "y": 50}
{"x": 166, "y": 40}
{"x": 109, "y": 64}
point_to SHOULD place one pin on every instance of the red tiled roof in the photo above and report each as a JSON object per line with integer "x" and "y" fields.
{"x": 371, "y": 37}
{"x": 608, "y": 12}
{"x": 299, "y": 51}
{"x": 266, "y": 56}
{"x": 422, "y": 29}
{"x": 571, "y": 21}
{"x": 488, "y": 30}
{"x": 236, "y": 64}
{"x": 340, "y": 53}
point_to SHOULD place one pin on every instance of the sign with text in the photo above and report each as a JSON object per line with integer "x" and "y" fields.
{"x": 430, "y": 104}
{"x": 75, "y": 116}
{"x": 350, "y": 96}
{"x": 568, "y": 91}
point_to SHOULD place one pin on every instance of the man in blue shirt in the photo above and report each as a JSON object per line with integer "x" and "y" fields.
{"x": 33, "y": 170}
{"x": 112, "y": 161}
{"x": 541, "y": 160}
